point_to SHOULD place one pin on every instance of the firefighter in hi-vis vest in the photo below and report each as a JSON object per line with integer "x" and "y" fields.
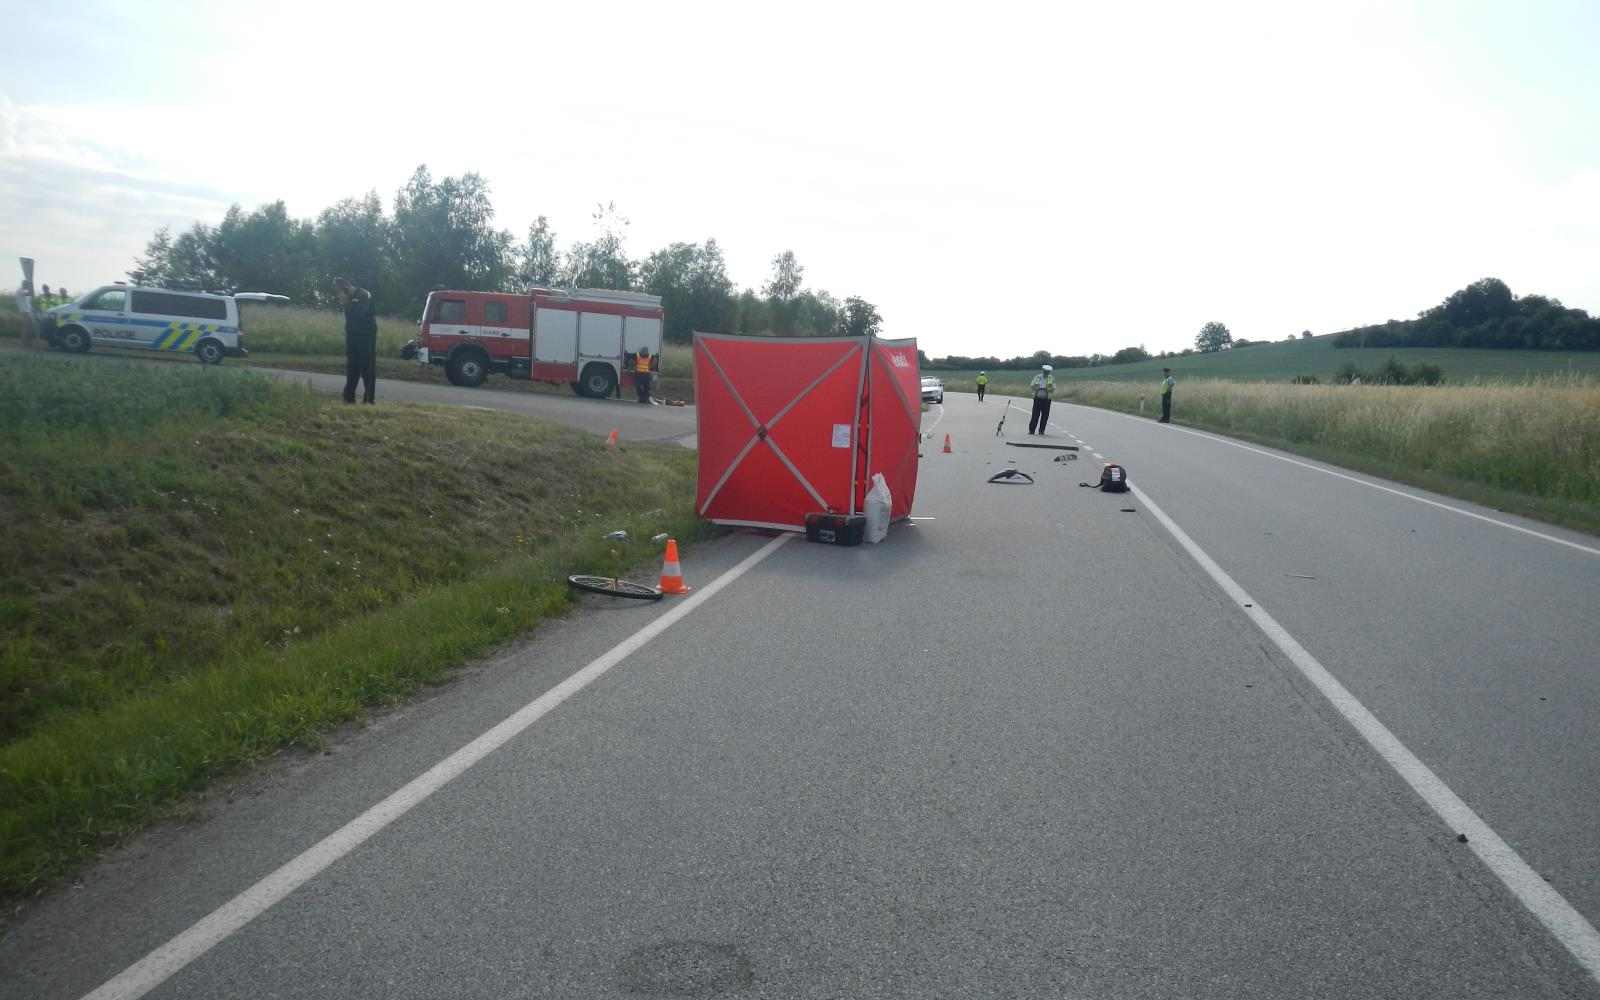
{"x": 641, "y": 374}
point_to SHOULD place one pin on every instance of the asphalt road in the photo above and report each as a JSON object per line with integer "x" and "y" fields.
{"x": 632, "y": 421}
{"x": 1029, "y": 748}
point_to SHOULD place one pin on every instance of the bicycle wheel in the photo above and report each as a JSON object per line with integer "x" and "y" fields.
{"x": 612, "y": 587}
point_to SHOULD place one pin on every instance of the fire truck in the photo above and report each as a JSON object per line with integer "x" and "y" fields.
{"x": 584, "y": 337}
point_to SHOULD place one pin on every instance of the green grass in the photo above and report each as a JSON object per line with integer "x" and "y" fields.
{"x": 205, "y": 566}
{"x": 1280, "y": 362}
{"x": 1529, "y": 448}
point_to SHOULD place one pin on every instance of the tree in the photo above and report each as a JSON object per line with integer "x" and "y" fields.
{"x": 1305, "y": 334}
{"x": 154, "y": 267}
{"x": 788, "y": 275}
{"x": 443, "y": 236}
{"x": 538, "y": 261}
{"x": 859, "y": 318}
{"x": 603, "y": 261}
{"x": 1213, "y": 337}
{"x": 692, "y": 280}
{"x": 1128, "y": 354}
{"x": 353, "y": 241}
{"x": 266, "y": 251}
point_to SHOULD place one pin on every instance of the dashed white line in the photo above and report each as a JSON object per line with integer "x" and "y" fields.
{"x": 1098, "y": 455}
{"x": 1551, "y": 909}
{"x": 161, "y": 964}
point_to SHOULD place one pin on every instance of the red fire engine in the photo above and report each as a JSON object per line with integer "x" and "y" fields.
{"x": 585, "y": 337}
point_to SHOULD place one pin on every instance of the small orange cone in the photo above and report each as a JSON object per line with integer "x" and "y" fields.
{"x": 947, "y": 444}
{"x": 671, "y": 573}
{"x": 611, "y": 439}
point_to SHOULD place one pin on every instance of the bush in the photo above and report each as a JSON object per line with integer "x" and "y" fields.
{"x": 1304, "y": 380}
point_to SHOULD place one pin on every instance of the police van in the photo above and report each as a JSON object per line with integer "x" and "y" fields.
{"x": 132, "y": 317}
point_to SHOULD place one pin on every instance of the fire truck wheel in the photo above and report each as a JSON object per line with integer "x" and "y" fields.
{"x": 468, "y": 369}
{"x": 598, "y": 381}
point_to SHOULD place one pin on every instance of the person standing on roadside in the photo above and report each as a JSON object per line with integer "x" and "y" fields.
{"x": 1166, "y": 396}
{"x": 360, "y": 340}
{"x": 641, "y": 374}
{"x": 1044, "y": 387}
{"x": 983, "y": 384}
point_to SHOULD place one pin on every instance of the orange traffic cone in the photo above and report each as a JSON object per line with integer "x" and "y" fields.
{"x": 611, "y": 439}
{"x": 947, "y": 444}
{"x": 671, "y": 573}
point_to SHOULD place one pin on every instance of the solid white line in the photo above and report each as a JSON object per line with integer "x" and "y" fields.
{"x": 936, "y": 420}
{"x": 1558, "y": 916}
{"x": 156, "y": 967}
{"x": 1591, "y": 550}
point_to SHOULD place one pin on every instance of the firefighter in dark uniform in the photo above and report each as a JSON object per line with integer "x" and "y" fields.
{"x": 641, "y": 374}
{"x": 360, "y": 340}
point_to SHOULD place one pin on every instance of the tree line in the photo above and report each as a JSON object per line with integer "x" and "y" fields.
{"x": 441, "y": 234}
{"x": 1485, "y": 314}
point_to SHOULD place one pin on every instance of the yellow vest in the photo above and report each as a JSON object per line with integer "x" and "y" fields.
{"x": 641, "y": 364}
{"x": 983, "y": 380}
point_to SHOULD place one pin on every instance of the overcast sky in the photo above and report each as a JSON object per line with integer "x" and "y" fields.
{"x": 998, "y": 178}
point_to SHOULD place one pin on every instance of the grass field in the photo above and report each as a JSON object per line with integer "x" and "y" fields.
{"x": 1529, "y": 448}
{"x": 204, "y": 566}
{"x": 1280, "y": 362}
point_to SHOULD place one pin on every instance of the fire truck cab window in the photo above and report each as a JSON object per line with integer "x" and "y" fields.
{"x": 451, "y": 311}
{"x": 494, "y": 313}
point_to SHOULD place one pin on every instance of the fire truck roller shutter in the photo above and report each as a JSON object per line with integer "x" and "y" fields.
{"x": 600, "y": 336}
{"x": 641, "y": 331}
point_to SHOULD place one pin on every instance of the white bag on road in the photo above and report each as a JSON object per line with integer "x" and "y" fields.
{"x": 879, "y": 503}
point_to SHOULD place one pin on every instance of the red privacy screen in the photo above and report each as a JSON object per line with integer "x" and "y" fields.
{"x": 778, "y": 421}
{"x": 894, "y": 408}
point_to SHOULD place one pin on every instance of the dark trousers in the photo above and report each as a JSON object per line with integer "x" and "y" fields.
{"x": 641, "y": 386}
{"x": 1166, "y": 408}
{"x": 1041, "y": 416}
{"x": 360, "y": 365}
{"x": 980, "y": 392}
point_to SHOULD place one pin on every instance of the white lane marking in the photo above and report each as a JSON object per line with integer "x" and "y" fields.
{"x": 1558, "y": 916}
{"x": 936, "y": 420}
{"x": 158, "y": 966}
{"x": 1377, "y": 486}
{"x": 1099, "y": 456}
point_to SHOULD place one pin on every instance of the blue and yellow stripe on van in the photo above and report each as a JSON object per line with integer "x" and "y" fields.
{"x": 182, "y": 336}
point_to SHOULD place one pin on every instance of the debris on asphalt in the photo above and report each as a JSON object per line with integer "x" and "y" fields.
{"x": 1035, "y": 444}
{"x": 1011, "y": 477}
{"x": 1128, "y": 510}
{"x": 1461, "y": 838}
{"x": 1300, "y": 576}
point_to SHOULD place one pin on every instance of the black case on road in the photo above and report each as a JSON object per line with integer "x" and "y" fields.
{"x": 836, "y": 529}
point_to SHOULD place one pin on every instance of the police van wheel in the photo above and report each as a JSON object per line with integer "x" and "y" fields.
{"x": 75, "y": 339}
{"x": 467, "y": 369}
{"x": 209, "y": 352}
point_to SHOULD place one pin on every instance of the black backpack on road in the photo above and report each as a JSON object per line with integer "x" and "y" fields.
{"x": 1113, "y": 479}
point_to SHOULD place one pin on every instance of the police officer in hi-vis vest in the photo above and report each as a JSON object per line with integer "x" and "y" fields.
{"x": 983, "y": 384}
{"x": 1044, "y": 387}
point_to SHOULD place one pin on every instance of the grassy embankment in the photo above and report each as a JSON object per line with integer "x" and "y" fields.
{"x": 204, "y": 566}
{"x": 1531, "y": 448}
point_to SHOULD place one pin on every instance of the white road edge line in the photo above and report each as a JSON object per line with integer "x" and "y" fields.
{"x": 1366, "y": 482}
{"x": 161, "y": 964}
{"x": 1096, "y": 454}
{"x": 1558, "y": 916}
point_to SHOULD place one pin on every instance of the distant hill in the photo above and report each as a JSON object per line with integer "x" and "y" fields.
{"x": 1485, "y": 315}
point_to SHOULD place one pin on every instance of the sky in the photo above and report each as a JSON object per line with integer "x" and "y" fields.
{"x": 997, "y": 178}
